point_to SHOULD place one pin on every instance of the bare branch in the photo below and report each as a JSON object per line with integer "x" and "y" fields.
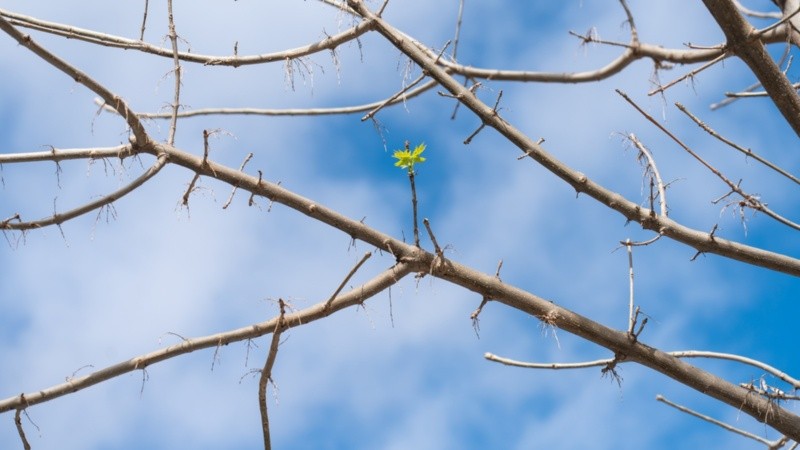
{"x": 437, "y": 249}
{"x": 762, "y": 402}
{"x": 749, "y": 200}
{"x": 119, "y": 105}
{"x": 689, "y": 74}
{"x": 716, "y": 422}
{"x": 756, "y": 14}
{"x": 144, "y": 19}
{"x": 579, "y": 181}
{"x": 59, "y": 218}
{"x": 173, "y": 38}
{"x": 745, "y": 151}
{"x": 484, "y": 301}
{"x": 354, "y": 297}
{"x": 400, "y": 97}
{"x": 396, "y": 97}
{"x": 120, "y": 151}
{"x": 266, "y": 373}
{"x": 233, "y": 191}
{"x": 742, "y": 40}
{"x": 651, "y": 168}
{"x": 631, "y": 319}
{"x": 347, "y": 277}
{"x": 68, "y": 31}
{"x": 741, "y": 359}
{"x": 20, "y": 431}
{"x": 554, "y": 366}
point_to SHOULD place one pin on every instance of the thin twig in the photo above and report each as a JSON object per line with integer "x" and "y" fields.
{"x": 795, "y": 383}
{"x": 414, "y": 206}
{"x": 476, "y": 323}
{"x": 631, "y": 320}
{"x": 484, "y": 301}
{"x": 394, "y": 98}
{"x": 235, "y": 187}
{"x": 59, "y": 218}
{"x": 204, "y": 164}
{"x": 730, "y": 98}
{"x": 749, "y": 94}
{"x": 785, "y": 19}
{"x": 189, "y": 189}
{"x": 716, "y": 422}
{"x": 173, "y": 38}
{"x": 383, "y": 6}
{"x": 689, "y": 74}
{"x": 20, "y": 431}
{"x": 458, "y": 29}
{"x": 144, "y": 19}
{"x": 677, "y": 354}
{"x": 349, "y": 275}
{"x": 403, "y": 96}
{"x": 756, "y": 14}
{"x": 749, "y": 201}
{"x": 651, "y": 167}
{"x": 436, "y": 247}
{"x": 414, "y": 203}
{"x": 554, "y": 366}
{"x": 483, "y": 123}
{"x": 770, "y": 392}
{"x": 266, "y": 374}
{"x": 745, "y": 151}
{"x": 631, "y": 23}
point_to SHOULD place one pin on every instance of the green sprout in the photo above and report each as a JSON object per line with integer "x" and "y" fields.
{"x": 407, "y": 158}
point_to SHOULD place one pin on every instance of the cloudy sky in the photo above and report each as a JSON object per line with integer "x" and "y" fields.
{"x": 407, "y": 370}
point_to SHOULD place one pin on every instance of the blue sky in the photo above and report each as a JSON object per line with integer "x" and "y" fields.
{"x": 114, "y": 287}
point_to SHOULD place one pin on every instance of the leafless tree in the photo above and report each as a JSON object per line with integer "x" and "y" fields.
{"x": 492, "y": 102}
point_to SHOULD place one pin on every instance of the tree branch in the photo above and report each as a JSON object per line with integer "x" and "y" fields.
{"x": 742, "y": 41}
{"x": 701, "y": 241}
{"x": 107, "y": 40}
{"x": 119, "y": 105}
{"x": 354, "y": 297}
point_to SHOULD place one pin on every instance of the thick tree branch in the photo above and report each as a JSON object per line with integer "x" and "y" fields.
{"x": 743, "y": 42}
{"x": 625, "y": 348}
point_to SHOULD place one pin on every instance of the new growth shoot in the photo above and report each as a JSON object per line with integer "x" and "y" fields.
{"x": 406, "y": 160}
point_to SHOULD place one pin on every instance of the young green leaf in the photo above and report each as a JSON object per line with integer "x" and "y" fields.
{"x": 407, "y": 158}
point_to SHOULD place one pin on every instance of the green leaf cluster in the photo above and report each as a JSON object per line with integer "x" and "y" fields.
{"x": 407, "y": 158}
